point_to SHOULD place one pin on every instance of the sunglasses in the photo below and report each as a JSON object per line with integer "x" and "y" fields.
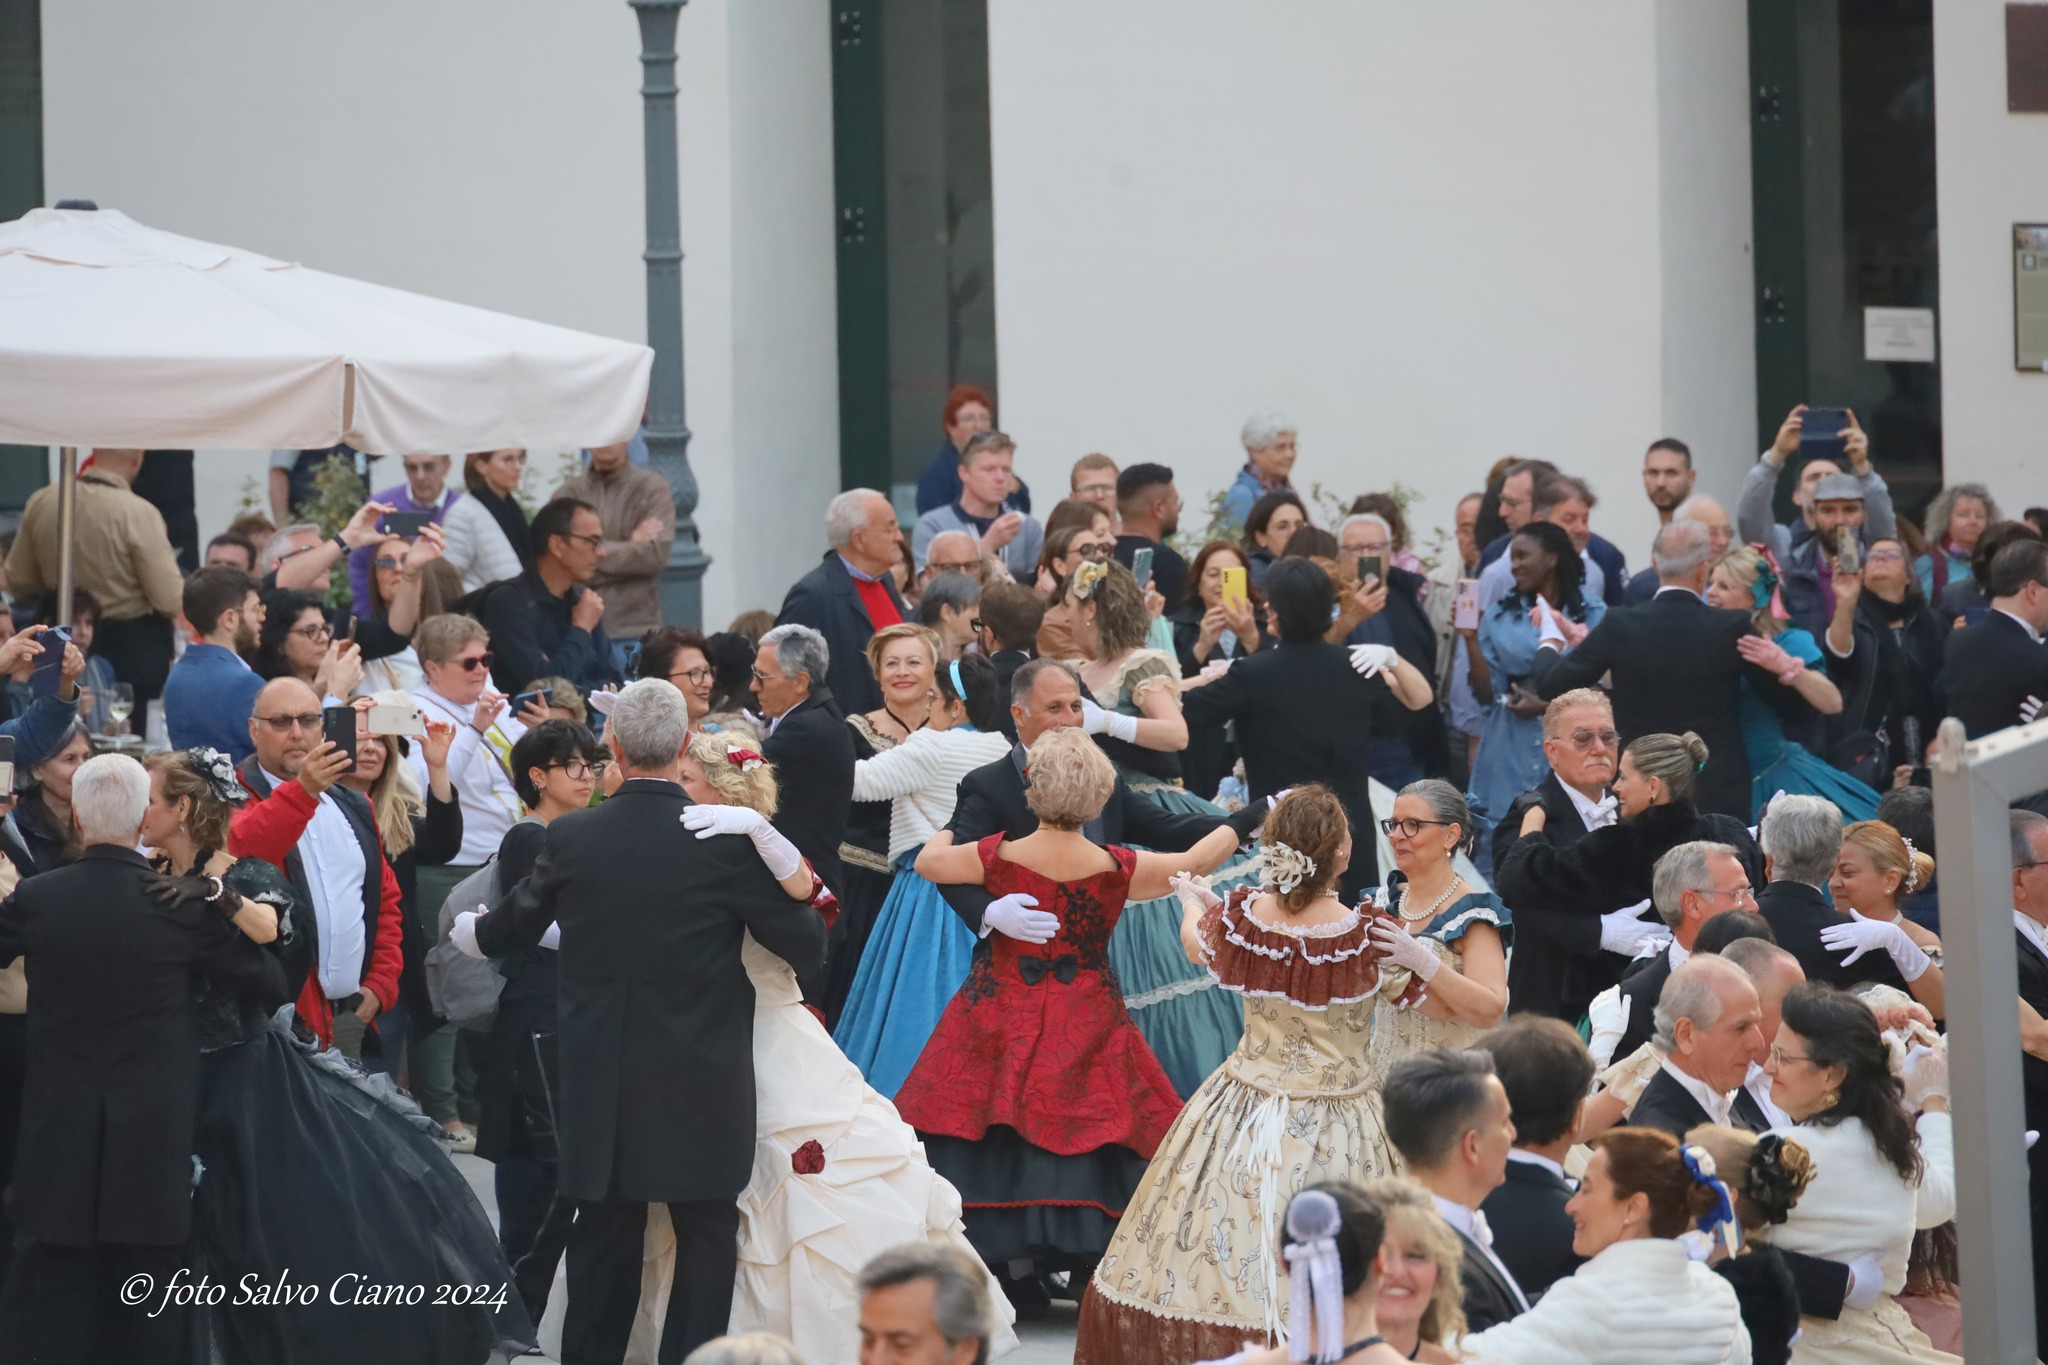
{"x": 387, "y": 562}
{"x": 1584, "y": 740}
{"x": 284, "y": 725}
{"x": 474, "y": 662}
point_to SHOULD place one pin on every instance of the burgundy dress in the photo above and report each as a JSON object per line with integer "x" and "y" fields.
{"x": 1037, "y": 1096}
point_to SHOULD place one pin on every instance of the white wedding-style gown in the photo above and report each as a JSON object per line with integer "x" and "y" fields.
{"x": 804, "y": 1237}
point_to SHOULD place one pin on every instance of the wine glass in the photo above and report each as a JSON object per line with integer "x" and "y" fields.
{"x": 120, "y": 706}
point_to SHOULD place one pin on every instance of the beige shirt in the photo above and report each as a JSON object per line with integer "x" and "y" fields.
{"x": 121, "y": 552}
{"x": 629, "y": 575}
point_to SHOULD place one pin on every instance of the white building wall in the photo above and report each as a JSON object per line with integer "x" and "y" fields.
{"x": 1436, "y": 234}
{"x": 1991, "y": 171}
{"x": 490, "y": 151}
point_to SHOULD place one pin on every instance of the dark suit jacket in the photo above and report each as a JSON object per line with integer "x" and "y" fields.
{"x": 1571, "y": 884}
{"x": 1797, "y": 913}
{"x": 1007, "y": 662}
{"x": 812, "y": 752}
{"x": 1414, "y": 639}
{"x": 826, "y": 600}
{"x": 1302, "y": 716}
{"x": 1557, "y": 966}
{"x": 1640, "y": 987}
{"x": 1169, "y": 570}
{"x": 1641, "y": 588}
{"x": 1532, "y": 1234}
{"x": 656, "y": 1010}
{"x": 1987, "y": 670}
{"x": 1675, "y": 669}
{"x": 112, "y": 1086}
{"x": 2033, "y": 980}
{"x": 990, "y": 800}
{"x": 1670, "y": 1106}
{"x": 1489, "y": 1298}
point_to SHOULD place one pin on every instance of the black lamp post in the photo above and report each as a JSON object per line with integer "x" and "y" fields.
{"x": 668, "y": 437}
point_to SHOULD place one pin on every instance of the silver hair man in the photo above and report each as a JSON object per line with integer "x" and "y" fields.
{"x": 1802, "y": 836}
{"x": 1687, "y": 867}
{"x": 959, "y": 1312}
{"x": 1694, "y": 992}
{"x": 799, "y": 650}
{"x": 846, "y": 514}
{"x": 108, "y": 797}
{"x": 649, "y": 725}
{"x": 1681, "y": 549}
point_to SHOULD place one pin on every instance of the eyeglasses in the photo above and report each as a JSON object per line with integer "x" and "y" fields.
{"x": 594, "y": 542}
{"x": 971, "y": 567}
{"x": 1087, "y": 548}
{"x": 473, "y": 662}
{"x": 284, "y": 725}
{"x": 696, "y": 677}
{"x": 387, "y": 562}
{"x": 975, "y": 625}
{"x": 422, "y": 467}
{"x": 1411, "y": 828}
{"x": 318, "y": 632}
{"x": 765, "y": 678}
{"x": 1584, "y": 740}
{"x": 1885, "y": 557}
{"x": 1779, "y": 1056}
{"x": 1092, "y": 491}
{"x": 576, "y": 769}
{"x": 1740, "y": 893}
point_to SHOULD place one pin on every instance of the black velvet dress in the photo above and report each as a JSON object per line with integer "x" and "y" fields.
{"x": 865, "y": 874}
{"x": 326, "y": 1204}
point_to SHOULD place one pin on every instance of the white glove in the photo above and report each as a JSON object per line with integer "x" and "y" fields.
{"x": 1193, "y": 891}
{"x": 1864, "y": 935}
{"x": 1924, "y": 1075}
{"x": 462, "y": 933}
{"x": 1015, "y": 917}
{"x": 603, "y": 701}
{"x": 1866, "y": 1282}
{"x": 778, "y": 853}
{"x": 2030, "y": 710}
{"x": 1548, "y": 631}
{"x": 552, "y": 938}
{"x": 1403, "y": 949}
{"x": 1369, "y": 661}
{"x": 1608, "y": 1016}
{"x": 1115, "y": 724}
{"x": 1622, "y": 932}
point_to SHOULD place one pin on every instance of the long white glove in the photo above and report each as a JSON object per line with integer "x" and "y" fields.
{"x": 1924, "y": 1075}
{"x": 1548, "y": 630}
{"x": 551, "y": 937}
{"x": 1193, "y": 891}
{"x": 1865, "y": 935}
{"x": 778, "y": 853}
{"x": 1014, "y": 915}
{"x": 1608, "y": 1016}
{"x": 2030, "y": 710}
{"x": 1403, "y": 949}
{"x": 462, "y": 933}
{"x": 1866, "y": 1282}
{"x": 1622, "y": 932}
{"x": 1369, "y": 661}
{"x": 1115, "y": 724}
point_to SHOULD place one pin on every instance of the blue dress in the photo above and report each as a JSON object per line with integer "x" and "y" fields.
{"x": 1777, "y": 764}
{"x": 916, "y": 957}
{"x": 1510, "y": 759}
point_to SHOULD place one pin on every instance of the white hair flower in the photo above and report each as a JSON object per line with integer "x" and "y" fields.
{"x": 1284, "y": 868}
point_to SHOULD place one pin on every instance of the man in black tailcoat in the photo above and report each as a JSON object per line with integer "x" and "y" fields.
{"x": 1676, "y": 666}
{"x": 1994, "y": 669}
{"x": 103, "y": 1176}
{"x": 808, "y": 742}
{"x": 2030, "y": 921}
{"x": 657, "y": 1022}
{"x": 1046, "y": 695}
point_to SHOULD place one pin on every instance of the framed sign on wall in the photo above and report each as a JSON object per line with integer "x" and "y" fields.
{"x": 2030, "y": 296}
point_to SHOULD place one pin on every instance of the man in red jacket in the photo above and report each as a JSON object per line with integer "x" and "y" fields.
{"x": 344, "y": 965}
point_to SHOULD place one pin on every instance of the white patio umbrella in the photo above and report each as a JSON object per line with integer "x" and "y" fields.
{"x": 118, "y": 335}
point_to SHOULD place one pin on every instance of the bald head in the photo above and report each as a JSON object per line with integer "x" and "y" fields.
{"x": 1712, "y": 515}
{"x": 1772, "y": 970}
{"x": 124, "y": 463}
{"x": 284, "y": 725}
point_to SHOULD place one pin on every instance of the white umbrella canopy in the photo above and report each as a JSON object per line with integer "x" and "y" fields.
{"x": 119, "y": 335}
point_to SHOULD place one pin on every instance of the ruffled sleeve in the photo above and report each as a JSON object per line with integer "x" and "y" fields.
{"x": 1147, "y": 670}
{"x": 257, "y": 880}
{"x": 1315, "y": 968}
{"x": 1480, "y": 907}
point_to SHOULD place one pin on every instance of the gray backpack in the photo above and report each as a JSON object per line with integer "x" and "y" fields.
{"x": 464, "y": 989}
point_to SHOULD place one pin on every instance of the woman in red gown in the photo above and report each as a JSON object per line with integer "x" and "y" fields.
{"x": 1037, "y": 1097}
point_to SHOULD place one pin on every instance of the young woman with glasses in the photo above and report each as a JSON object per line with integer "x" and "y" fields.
{"x": 683, "y": 657}
{"x": 298, "y": 642}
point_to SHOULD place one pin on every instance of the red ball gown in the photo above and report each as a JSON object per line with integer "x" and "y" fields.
{"x": 1037, "y": 1097}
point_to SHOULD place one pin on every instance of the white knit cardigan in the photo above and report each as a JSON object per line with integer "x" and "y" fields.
{"x": 921, "y": 774}
{"x": 1857, "y": 1205}
{"x": 1636, "y": 1302}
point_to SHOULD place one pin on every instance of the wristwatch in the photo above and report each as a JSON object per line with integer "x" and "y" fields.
{"x": 341, "y": 544}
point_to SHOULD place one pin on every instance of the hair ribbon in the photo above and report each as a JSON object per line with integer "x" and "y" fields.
{"x": 1315, "y": 1274}
{"x": 1699, "y": 1243}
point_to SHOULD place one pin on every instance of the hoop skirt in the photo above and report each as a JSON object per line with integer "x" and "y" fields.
{"x": 1037, "y": 1097}
{"x": 314, "y": 1175}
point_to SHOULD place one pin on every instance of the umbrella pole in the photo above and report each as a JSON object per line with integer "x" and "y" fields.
{"x": 67, "y": 502}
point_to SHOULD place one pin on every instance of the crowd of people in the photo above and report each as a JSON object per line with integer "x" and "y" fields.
{"x": 1271, "y": 941}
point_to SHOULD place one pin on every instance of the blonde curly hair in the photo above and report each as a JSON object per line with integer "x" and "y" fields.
{"x": 1409, "y": 1213}
{"x": 750, "y": 784}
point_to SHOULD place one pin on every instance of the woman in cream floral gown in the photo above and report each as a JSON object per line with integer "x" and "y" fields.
{"x": 838, "y": 1177}
{"x": 1190, "y": 1273}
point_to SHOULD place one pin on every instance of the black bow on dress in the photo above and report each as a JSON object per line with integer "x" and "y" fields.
{"x": 1063, "y": 969}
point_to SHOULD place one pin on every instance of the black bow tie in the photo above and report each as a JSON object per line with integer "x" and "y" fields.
{"x": 1063, "y": 969}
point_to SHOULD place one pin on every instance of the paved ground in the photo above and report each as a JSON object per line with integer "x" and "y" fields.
{"x": 1049, "y": 1341}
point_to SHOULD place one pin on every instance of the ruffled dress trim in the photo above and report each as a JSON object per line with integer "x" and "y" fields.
{"x": 1314, "y": 967}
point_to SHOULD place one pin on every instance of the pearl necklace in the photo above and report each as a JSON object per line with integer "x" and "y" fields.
{"x": 1436, "y": 905}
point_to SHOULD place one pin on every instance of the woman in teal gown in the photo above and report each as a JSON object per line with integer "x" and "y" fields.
{"x": 1745, "y": 580}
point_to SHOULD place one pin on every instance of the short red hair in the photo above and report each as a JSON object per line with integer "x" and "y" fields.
{"x": 958, "y": 397}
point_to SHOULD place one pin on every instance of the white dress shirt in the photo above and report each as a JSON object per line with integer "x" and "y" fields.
{"x": 1758, "y": 1084}
{"x": 479, "y": 768}
{"x": 1596, "y": 814}
{"x": 2036, "y": 935}
{"x": 1717, "y": 1105}
{"x": 333, "y": 859}
{"x": 2025, "y": 625}
{"x": 1473, "y": 1224}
